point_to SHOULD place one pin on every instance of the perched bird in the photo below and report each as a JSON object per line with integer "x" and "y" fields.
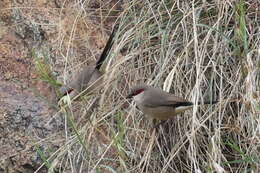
{"x": 91, "y": 76}
{"x": 158, "y": 104}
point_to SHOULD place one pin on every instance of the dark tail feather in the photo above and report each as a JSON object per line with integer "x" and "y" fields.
{"x": 182, "y": 104}
{"x": 190, "y": 103}
{"x": 107, "y": 48}
{"x": 178, "y": 104}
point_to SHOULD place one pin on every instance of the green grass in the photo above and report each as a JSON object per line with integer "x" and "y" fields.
{"x": 44, "y": 157}
{"x": 44, "y": 72}
{"x": 242, "y": 157}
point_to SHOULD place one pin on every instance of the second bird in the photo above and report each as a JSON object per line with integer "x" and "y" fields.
{"x": 91, "y": 76}
{"x": 158, "y": 104}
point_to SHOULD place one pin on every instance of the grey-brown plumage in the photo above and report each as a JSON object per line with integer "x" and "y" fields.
{"x": 158, "y": 104}
{"x": 88, "y": 79}
{"x": 91, "y": 76}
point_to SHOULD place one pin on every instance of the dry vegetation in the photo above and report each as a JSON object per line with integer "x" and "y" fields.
{"x": 201, "y": 50}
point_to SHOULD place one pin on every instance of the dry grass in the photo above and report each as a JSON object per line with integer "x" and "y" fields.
{"x": 196, "y": 49}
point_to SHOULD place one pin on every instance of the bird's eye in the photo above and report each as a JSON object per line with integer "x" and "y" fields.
{"x": 138, "y": 92}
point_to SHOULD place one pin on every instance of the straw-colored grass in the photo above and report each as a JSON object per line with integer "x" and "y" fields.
{"x": 199, "y": 50}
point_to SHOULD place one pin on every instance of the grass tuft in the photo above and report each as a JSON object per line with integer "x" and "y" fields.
{"x": 202, "y": 50}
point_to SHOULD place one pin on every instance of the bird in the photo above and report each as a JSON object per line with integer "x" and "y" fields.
{"x": 158, "y": 104}
{"x": 90, "y": 77}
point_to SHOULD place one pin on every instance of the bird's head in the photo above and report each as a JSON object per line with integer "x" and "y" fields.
{"x": 137, "y": 90}
{"x": 64, "y": 90}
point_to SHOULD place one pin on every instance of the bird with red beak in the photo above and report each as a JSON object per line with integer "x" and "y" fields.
{"x": 158, "y": 104}
{"x": 90, "y": 77}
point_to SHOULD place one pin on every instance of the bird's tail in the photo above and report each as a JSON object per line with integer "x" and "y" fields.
{"x": 107, "y": 48}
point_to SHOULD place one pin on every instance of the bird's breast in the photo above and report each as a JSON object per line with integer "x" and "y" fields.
{"x": 163, "y": 112}
{"x": 139, "y": 99}
{"x": 160, "y": 112}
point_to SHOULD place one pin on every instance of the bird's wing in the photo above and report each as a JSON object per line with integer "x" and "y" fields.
{"x": 175, "y": 101}
{"x": 80, "y": 80}
{"x": 83, "y": 79}
{"x": 166, "y": 99}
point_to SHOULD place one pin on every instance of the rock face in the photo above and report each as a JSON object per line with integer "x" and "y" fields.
{"x": 24, "y": 124}
{"x": 26, "y": 119}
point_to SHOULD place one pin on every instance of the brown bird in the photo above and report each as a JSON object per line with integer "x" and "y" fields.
{"x": 158, "y": 104}
{"x": 91, "y": 76}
